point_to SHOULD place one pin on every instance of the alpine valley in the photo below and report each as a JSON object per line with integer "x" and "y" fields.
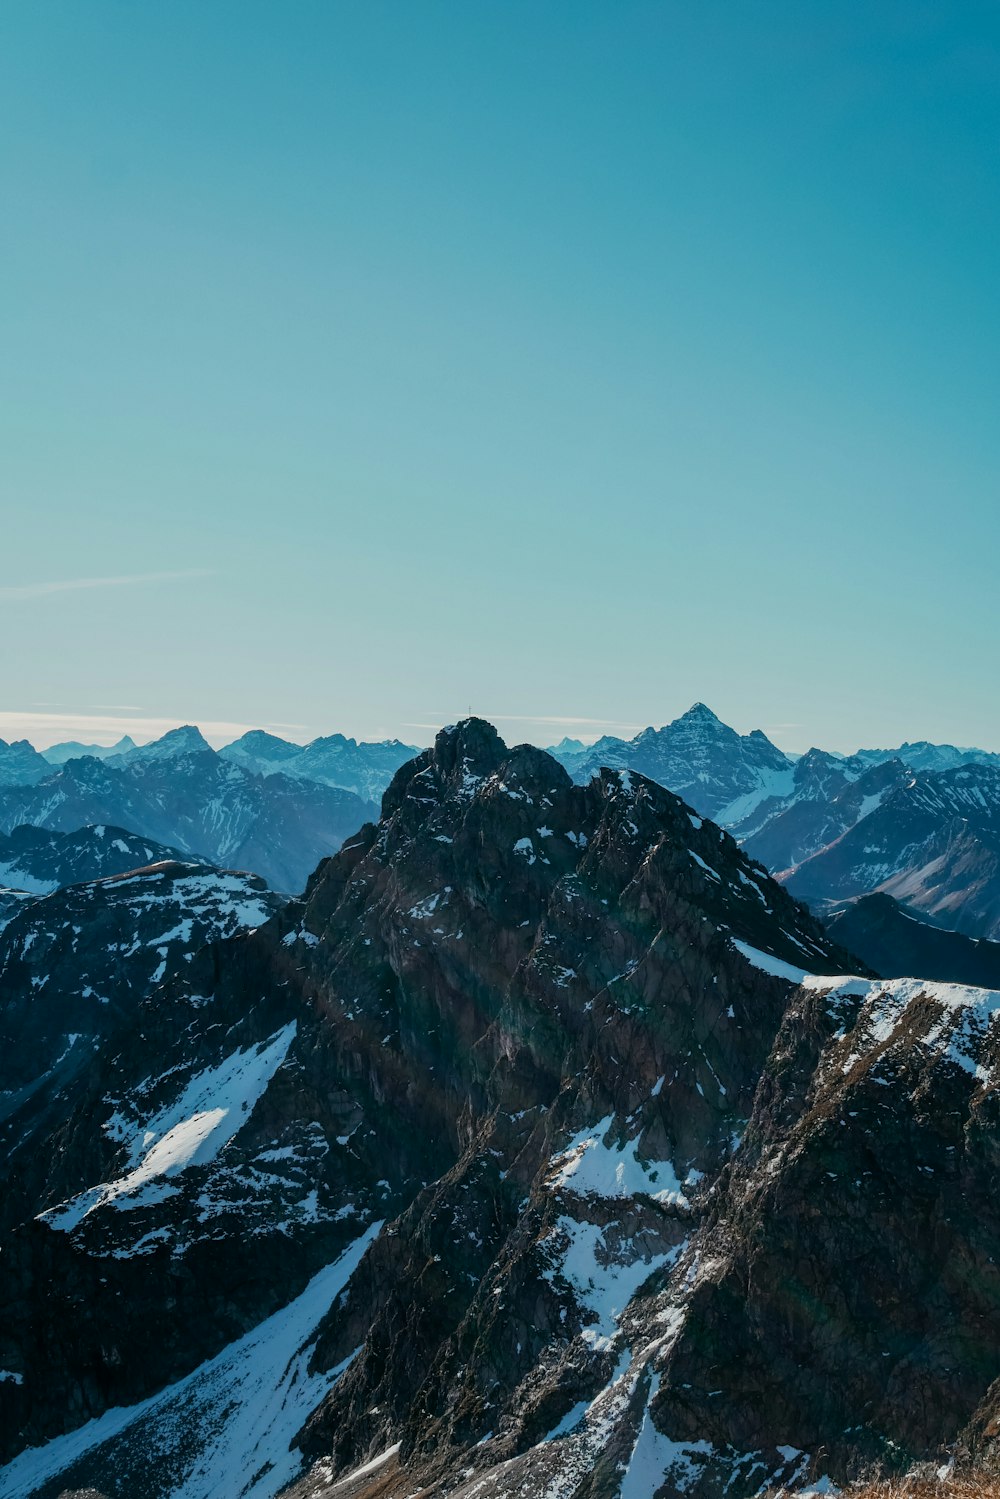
{"x": 526, "y": 1138}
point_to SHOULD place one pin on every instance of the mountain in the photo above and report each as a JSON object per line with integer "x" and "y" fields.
{"x": 567, "y": 747}
{"x": 722, "y": 774}
{"x": 12, "y": 901}
{"x": 261, "y": 753}
{"x": 179, "y": 792}
{"x": 828, "y": 797}
{"x": 922, "y": 755}
{"x": 74, "y": 968}
{"x": 21, "y": 764}
{"x": 175, "y": 744}
{"x": 933, "y": 843}
{"x": 39, "y": 861}
{"x": 397, "y": 1166}
{"x": 895, "y": 943}
{"x": 365, "y": 769}
{"x": 71, "y": 749}
{"x": 545, "y": 1146}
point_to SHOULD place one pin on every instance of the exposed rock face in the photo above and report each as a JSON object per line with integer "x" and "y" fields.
{"x": 722, "y": 774}
{"x": 38, "y": 860}
{"x": 846, "y": 1300}
{"x": 895, "y": 943}
{"x": 521, "y": 1021}
{"x": 75, "y": 967}
{"x": 181, "y": 793}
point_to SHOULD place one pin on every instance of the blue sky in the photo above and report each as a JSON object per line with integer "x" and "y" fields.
{"x": 565, "y": 361}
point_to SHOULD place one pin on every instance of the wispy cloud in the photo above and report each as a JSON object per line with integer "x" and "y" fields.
{"x": 124, "y": 580}
{"x": 43, "y": 729}
{"x": 582, "y": 728}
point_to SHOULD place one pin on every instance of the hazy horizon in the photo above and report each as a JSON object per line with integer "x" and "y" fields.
{"x": 43, "y": 731}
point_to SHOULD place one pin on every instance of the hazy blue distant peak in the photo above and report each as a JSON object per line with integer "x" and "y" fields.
{"x": 21, "y": 764}
{"x": 187, "y": 740}
{"x": 71, "y": 749}
{"x": 259, "y": 751}
{"x": 567, "y": 746}
{"x": 922, "y": 755}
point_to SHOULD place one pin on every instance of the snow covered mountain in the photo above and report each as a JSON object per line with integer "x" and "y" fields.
{"x": 38, "y": 860}
{"x": 365, "y": 769}
{"x": 75, "y": 967}
{"x": 179, "y": 792}
{"x": 828, "y": 797}
{"x": 922, "y": 755}
{"x": 722, "y": 774}
{"x": 491, "y": 1167}
{"x": 933, "y": 843}
{"x": 21, "y": 764}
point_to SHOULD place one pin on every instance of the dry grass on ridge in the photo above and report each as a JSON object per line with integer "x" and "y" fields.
{"x": 970, "y": 1485}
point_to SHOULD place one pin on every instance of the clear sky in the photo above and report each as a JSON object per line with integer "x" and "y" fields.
{"x": 361, "y": 363}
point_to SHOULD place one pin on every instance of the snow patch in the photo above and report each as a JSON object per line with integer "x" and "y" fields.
{"x": 226, "y": 1428}
{"x": 212, "y": 1108}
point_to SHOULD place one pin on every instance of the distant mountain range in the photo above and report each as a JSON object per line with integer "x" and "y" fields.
{"x": 71, "y": 749}
{"x": 365, "y": 769}
{"x": 921, "y": 822}
{"x": 178, "y": 791}
{"x": 721, "y": 773}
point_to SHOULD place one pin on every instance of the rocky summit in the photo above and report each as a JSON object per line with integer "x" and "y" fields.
{"x": 545, "y": 1146}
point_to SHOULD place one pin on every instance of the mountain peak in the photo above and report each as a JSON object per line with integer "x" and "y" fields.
{"x": 186, "y": 740}
{"x": 471, "y": 739}
{"x": 700, "y": 713}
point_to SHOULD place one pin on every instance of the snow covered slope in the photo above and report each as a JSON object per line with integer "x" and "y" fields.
{"x": 39, "y": 860}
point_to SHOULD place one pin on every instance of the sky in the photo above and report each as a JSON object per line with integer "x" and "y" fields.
{"x": 365, "y": 363}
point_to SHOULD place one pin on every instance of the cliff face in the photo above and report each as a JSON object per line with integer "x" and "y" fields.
{"x": 521, "y": 1156}
{"x": 505, "y": 962}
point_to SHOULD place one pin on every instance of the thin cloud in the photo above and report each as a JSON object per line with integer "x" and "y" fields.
{"x": 548, "y": 726}
{"x": 43, "y": 729}
{"x": 125, "y": 580}
{"x": 559, "y": 721}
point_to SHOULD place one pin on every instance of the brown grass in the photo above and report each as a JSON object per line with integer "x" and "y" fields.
{"x": 970, "y": 1485}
